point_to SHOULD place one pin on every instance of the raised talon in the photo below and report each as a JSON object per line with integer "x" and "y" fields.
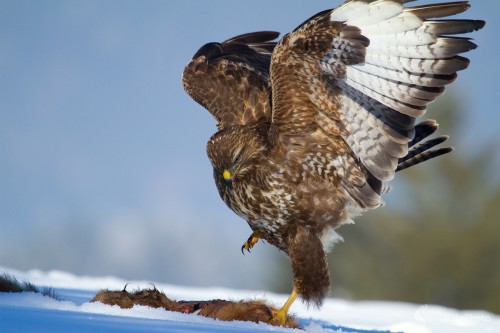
{"x": 251, "y": 241}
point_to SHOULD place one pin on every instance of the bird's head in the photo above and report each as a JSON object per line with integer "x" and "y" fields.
{"x": 235, "y": 152}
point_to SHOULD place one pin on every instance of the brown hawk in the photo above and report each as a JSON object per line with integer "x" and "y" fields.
{"x": 312, "y": 128}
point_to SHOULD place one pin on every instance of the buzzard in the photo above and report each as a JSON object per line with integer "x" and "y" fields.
{"x": 313, "y": 127}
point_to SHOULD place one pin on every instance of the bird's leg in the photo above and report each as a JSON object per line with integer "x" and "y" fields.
{"x": 251, "y": 241}
{"x": 280, "y": 315}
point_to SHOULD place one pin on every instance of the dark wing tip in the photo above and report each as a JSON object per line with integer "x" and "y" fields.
{"x": 253, "y": 37}
{"x": 479, "y": 24}
{"x": 259, "y": 39}
{"x": 209, "y": 50}
{"x": 439, "y": 10}
{"x": 422, "y": 157}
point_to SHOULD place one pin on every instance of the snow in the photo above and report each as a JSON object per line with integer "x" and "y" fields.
{"x": 29, "y": 312}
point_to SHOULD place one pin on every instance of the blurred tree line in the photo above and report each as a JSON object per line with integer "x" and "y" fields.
{"x": 438, "y": 239}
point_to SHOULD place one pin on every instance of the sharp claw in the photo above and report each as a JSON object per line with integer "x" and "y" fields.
{"x": 251, "y": 241}
{"x": 245, "y": 247}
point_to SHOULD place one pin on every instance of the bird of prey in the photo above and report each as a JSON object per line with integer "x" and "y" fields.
{"x": 312, "y": 128}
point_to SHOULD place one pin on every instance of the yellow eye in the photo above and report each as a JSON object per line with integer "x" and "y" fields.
{"x": 227, "y": 175}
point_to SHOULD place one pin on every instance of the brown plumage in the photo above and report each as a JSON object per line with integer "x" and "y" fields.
{"x": 312, "y": 128}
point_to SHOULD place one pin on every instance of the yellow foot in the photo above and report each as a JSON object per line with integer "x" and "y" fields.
{"x": 281, "y": 315}
{"x": 251, "y": 241}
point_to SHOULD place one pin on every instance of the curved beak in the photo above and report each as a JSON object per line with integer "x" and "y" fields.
{"x": 229, "y": 176}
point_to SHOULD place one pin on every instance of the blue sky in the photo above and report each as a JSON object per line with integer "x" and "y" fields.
{"x": 102, "y": 155}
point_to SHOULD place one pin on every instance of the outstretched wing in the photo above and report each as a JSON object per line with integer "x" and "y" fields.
{"x": 231, "y": 79}
{"x": 363, "y": 73}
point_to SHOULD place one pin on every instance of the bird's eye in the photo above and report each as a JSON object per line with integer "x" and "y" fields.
{"x": 237, "y": 160}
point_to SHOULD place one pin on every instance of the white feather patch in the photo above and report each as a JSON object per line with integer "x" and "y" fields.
{"x": 376, "y": 12}
{"x": 403, "y": 22}
{"x": 329, "y": 238}
{"x": 349, "y": 10}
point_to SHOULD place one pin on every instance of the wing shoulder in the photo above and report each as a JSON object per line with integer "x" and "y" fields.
{"x": 231, "y": 79}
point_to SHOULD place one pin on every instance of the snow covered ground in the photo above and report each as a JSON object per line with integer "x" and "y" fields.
{"x": 30, "y": 312}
